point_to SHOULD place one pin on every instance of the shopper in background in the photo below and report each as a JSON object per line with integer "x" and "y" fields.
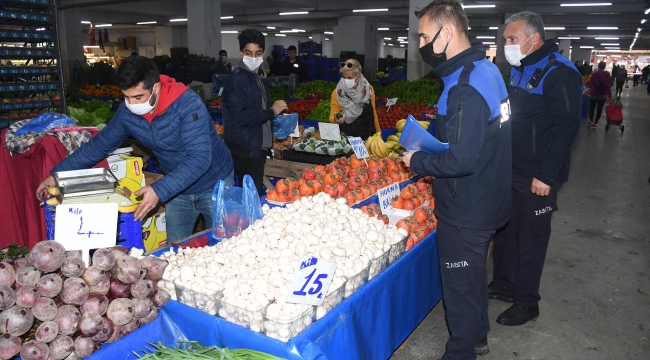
{"x": 293, "y": 66}
{"x": 274, "y": 68}
{"x": 599, "y": 84}
{"x": 472, "y": 178}
{"x": 615, "y": 68}
{"x": 644, "y": 74}
{"x": 222, "y": 65}
{"x": 353, "y": 102}
{"x": 545, "y": 122}
{"x": 621, "y": 77}
{"x": 174, "y": 123}
{"x": 247, "y": 110}
{"x": 636, "y": 75}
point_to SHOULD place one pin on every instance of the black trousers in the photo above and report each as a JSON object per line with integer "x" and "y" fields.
{"x": 619, "y": 86}
{"x": 596, "y": 104}
{"x": 462, "y": 254}
{"x": 635, "y": 80}
{"x": 254, "y": 167}
{"x": 520, "y": 247}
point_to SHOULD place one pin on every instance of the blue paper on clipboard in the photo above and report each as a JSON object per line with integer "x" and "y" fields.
{"x": 415, "y": 137}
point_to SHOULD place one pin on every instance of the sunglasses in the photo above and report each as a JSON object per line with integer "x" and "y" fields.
{"x": 348, "y": 65}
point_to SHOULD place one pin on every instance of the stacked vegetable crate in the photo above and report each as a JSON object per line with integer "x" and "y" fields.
{"x": 311, "y": 53}
{"x": 38, "y": 84}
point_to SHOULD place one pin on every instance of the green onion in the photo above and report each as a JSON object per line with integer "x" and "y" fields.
{"x": 190, "y": 350}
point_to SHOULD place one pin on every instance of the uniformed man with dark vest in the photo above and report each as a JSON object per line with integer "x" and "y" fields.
{"x": 545, "y": 94}
{"x": 472, "y": 178}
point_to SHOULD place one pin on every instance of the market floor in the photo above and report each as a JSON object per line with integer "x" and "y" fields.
{"x": 596, "y": 283}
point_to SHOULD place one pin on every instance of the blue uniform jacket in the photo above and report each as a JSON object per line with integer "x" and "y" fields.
{"x": 473, "y": 178}
{"x": 189, "y": 151}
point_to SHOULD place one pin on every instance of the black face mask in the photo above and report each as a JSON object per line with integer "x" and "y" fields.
{"x": 429, "y": 56}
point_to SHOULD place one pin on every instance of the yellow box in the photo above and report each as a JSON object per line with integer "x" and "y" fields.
{"x": 129, "y": 174}
{"x": 154, "y": 232}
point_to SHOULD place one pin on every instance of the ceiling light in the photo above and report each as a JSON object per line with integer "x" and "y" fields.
{"x": 488, "y": 42}
{"x": 104, "y": 57}
{"x": 383, "y": 29}
{"x": 485, "y": 37}
{"x": 311, "y": 37}
{"x": 586, "y": 47}
{"x": 407, "y": 28}
{"x": 402, "y": 37}
{"x": 177, "y": 20}
{"x": 229, "y": 31}
{"x": 384, "y": 44}
{"x": 606, "y": 38}
{"x": 494, "y": 28}
{"x": 403, "y": 42}
{"x": 103, "y": 25}
{"x": 265, "y": 34}
{"x": 368, "y": 10}
{"x": 40, "y": 29}
{"x": 647, "y": 11}
{"x": 226, "y": 17}
{"x": 587, "y": 4}
{"x": 146, "y": 22}
{"x": 610, "y": 44}
{"x": 643, "y": 21}
{"x": 388, "y": 39}
{"x": 554, "y": 28}
{"x": 401, "y": 46}
{"x": 612, "y": 48}
{"x": 295, "y": 13}
{"x": 602, "y": 27}
{"x": 602, "y": 55}
{"x": 91, "y": 46}
{"x": 85, "y": 22}
{"x": 271, "y": 27}
{"x": 327, "y": 38}
{"x": 280, "y": 35}
{"x": 288, "y": 31}
{"x": 478, "y": 6}
{"x": 329, "y": 32}
{"x": 569, "y": 37}
{"x": 639, "y": 29}
{"x": 469, "y": 28}
{"x": 390, "y": 44}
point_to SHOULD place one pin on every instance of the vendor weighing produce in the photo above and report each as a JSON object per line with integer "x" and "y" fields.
{"x": 174, "y": 123}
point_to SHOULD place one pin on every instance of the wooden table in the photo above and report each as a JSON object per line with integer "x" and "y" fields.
{"x": 283, "y": 169}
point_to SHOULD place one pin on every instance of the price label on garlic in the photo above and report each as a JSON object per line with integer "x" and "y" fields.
{"x": 359, "y": 147}
{"x": 86, "y": 226}
{"x": 386, "y": 196}
{"x": 312, "y": 281}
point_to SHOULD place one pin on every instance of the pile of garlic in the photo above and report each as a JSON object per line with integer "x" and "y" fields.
{"x": 240, "y": 277}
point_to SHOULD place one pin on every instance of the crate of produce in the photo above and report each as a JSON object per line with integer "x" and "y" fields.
{"x": 331, "y": 64}
{"x": 397, "y": 249}
{"x": 251, "y": 318}
{"x": 309, "y": 158}
{"x": 379, "y": 262}
{"x": 356, "y": 281}
{"x": 199, "y": 297}
{"x": 334, "y": 297}
{"x": 286, "y": 321}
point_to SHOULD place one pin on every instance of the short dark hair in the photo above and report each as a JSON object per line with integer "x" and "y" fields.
{"x": 137, "y": 69}
{"x": 222, "y": 52}
{"x": 443, "y": 11}
{"x": 251, "y": 36}
{"x": 602, "y": 65}
{"x": 533, "y": 23}
{"x": 291, "y": 48}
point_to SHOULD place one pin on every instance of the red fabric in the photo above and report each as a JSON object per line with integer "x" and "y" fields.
{"x": 170, "y": 91}
{"x": 614, "y": 112}
{"x": 21, "y": 216}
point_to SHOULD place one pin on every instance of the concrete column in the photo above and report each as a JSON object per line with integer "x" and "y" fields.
{"x": 565, "y": 48}
{"x": 163, "y": 40}
{"x": 204, "y": 27}
{"x": 71, "y": 40}
{"x": 364, "y": 41}
{"x": 415, "y": 67}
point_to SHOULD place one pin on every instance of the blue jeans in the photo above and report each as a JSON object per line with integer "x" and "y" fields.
{"x": 182, "y": 211}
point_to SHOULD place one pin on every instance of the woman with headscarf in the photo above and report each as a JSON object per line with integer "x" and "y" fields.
{"x": 353, "y": 102}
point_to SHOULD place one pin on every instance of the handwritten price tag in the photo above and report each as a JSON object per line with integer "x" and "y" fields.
{"x": 392, "y": 101}
{"x": 312, "y": 281}
{"x": 86, "y": 226}
{"x": 359, "y": 147}
{"x": 329, "y": 131}
{"x": 386, "y": 196}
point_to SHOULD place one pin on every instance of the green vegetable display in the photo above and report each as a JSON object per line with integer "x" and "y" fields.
{"x": 91, "y": 112}
{"x": 421, "y": 91}
{"x": 278, "y": 92}
{"x": 191, "y": 350}
{"x": 325, "y": 87}
{"x": 321, "y": 112}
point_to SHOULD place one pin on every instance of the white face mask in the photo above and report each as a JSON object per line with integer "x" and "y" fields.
{"x": 252, "y": 63}
{"x": 349, "y": 83}
{"x": 513, "y": 53}
{"x": 144, "y": 108}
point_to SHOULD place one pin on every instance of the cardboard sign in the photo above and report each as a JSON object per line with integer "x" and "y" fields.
{"x": 329, "y": 131}
{"x": 296, "y": 132}
{"x": 359, "y": 147}
{"x": 86, "y": 226}
{"x": 386, "y": 196}
{"x": 312, "y": 281}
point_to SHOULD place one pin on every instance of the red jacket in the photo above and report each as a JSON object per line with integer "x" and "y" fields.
{"x": 600, "y": 84}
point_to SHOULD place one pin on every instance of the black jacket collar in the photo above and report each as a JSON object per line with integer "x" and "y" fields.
{"x": 547, "y": 49}
{"x": 473, "y": 53}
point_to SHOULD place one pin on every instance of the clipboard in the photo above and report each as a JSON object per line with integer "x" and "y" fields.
{"x": 415, "y": 137}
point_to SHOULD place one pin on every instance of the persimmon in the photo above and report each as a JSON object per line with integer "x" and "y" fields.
{"x": 330, "y": 179}
{"x": 340, "y": 186}
{"x": 398, "y": 203}
{"x": 416, "y": 202}
{"x": 401, "y": 224}
{"x": 366, "y": 191}
{"x": 283, "y": 196}
{"x": 358, "y": 194}
{"x": 317, "y": 185}
{"x": 331, "y": 190}
{"x": 295, "y": 195}
{"x": 407, "y": 193}
{"x": 350, "y": 199}
{"x": 272, "y": 195}
{"x": 282, "y": 185}
{"x": 354, "y": 162}
{"x": 420, "y": 215}
{"x": 306, "y": 190}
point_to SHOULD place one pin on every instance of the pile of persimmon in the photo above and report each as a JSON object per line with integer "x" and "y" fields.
{"x": 374, "y": 210}
{"x": 420, "y": 224}
{"x": 352, "y": 179}
{"x": 414, "y": 195}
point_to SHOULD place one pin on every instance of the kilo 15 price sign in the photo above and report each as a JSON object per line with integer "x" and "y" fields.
{"x": 359, "y": 147}
{"x": 312, "y": 281}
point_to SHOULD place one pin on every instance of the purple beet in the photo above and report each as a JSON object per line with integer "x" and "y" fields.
{"x": 61, "y": 347}
{"x": 105, "y": 333}
{"x": 155, "y": 267}
{"x": 141, "y": 307}
{"x": 119, "y": 251}
{"x": 27, "y": 296}
{"x": 16, "y": 321}
{"x": 102, "y": 288}
{"x": 120, "y": 311}
{"x": 49, "y": 285}
{"x": 117, "y": 334}
{"x": 74, "y": 254}
{"x": 90, "y": 324}
{"x": 47, "y": 256}
{"x": 127, "y": 269}
{"x": 7, "y": 297}
{"x": 45, "y": 309}
{"x": 154, "y": 287}
{"x": 72, "y": 356}
{"x": 132, "y": 326}
{"x": 35, "y": 351}
{"x": 96, "y": 304}
{"x": 104, "y": 259}
{"x": 46, "y": 332}
{"x": 67, "y": 318}
{"x": 143, "y": 274}
{"x": 119, "y": 290}
{"x": 93, "y": 275}
{"x": 27, "y": 275}
{"x": 73, "y": 267}
{"x": 161, "y": 298}
{"x": 141, "y": 289}
{"x": 7, "y": 274}
{"x": 22, "y": 262}
{"x": 150, "y": 317}
{"x": 83, "y": 346}
{"x": 9, "y": 346}
{"x": 75, "y": 291}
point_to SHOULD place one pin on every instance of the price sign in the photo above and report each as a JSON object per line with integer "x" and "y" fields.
{"x": 329, "y": 131}
{"x": 312, "y": 281}
{"x": 86, "y": 226}
{"x": 392, "y": 101}
{"x": 359, "y": 147}
{"x": 386, "y": 196}
{"x": 296, "y": 132}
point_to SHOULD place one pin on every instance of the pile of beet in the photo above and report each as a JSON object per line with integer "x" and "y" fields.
{"x": 54, "y": 307}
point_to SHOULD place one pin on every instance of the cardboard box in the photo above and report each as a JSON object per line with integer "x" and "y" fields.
{"x": 154, "y": 232}
{"x": 129, "y": 174}
{"x": 150, "y": 178}
{"x": 130, "y": 43}
{"x": 121, "y": 43}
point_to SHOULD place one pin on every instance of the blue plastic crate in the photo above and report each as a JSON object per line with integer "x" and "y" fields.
{"x": 152, "y": 166}
{"x": 333, "y": 75}
{"x": 331, "y": 63}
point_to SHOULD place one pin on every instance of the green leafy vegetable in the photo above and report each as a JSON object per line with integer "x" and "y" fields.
{"x": 316, "y": 86}
{"x": 321, "y": 112}
{"x": 190, "y": 350}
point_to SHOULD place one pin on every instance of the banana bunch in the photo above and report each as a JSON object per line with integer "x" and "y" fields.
{"x": 400, "y": 125}
{"x": 380, "y": 148}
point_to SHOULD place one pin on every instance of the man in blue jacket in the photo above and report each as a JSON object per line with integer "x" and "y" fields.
{"x": 472, "y": 178}
{"x": 247, "y": 110}
{"x": 174, "y": 123}
{"x": 545, "y": 93}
